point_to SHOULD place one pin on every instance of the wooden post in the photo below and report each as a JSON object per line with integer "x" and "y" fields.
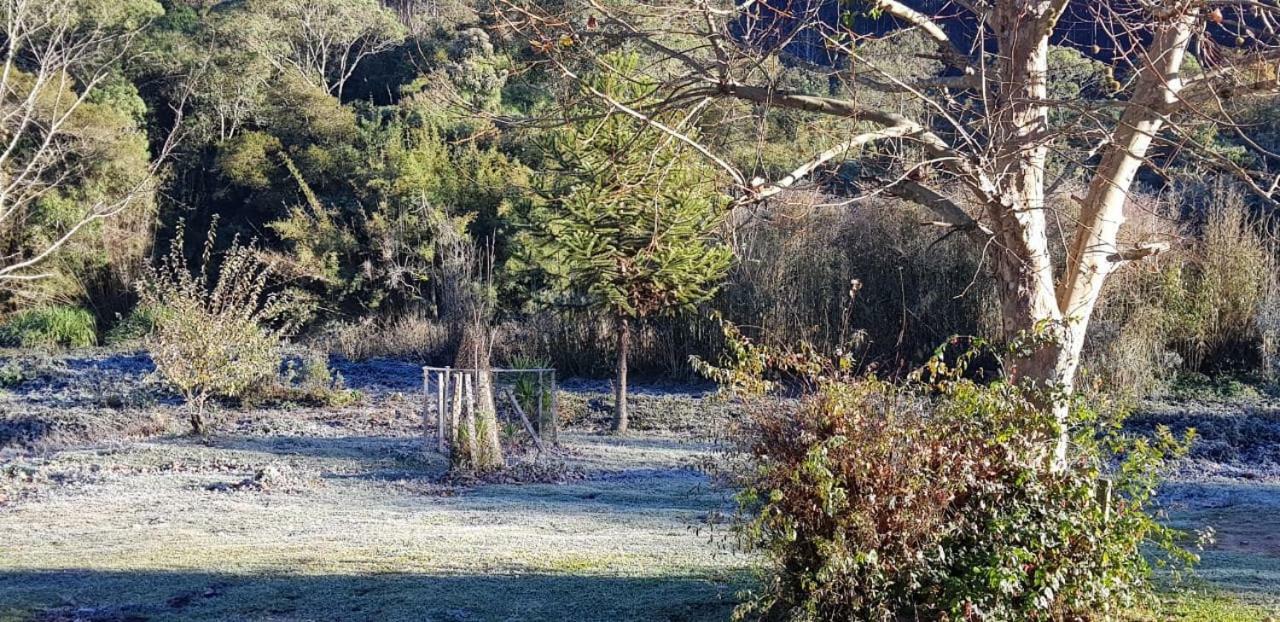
{"x": 426, "y": 408}
{"x": 555, "y": 411}
{"x": 473, "y": 443}
{"x": 1104, "y": 494}
{"x": 442, "y": 379}
{"x": 528, "y": 427}
{"x": 455, "y": 410}
{"x": 542, "y": 423}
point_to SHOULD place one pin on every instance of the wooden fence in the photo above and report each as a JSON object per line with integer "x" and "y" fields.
{"x": 449, "y": 396}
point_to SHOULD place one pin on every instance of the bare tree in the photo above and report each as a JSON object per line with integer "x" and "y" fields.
{"x": 976, "y": 138}
{"x": 56, "y": 52}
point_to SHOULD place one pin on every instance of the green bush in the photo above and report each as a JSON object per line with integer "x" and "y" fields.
{"x": 939, "y": 501}
{"x": 309, "y": 380}
{"x": 11, "y": 375}
{"x": 48, "y": 327}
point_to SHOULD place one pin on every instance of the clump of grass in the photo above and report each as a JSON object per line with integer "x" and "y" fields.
{"x": 134, "y": 327}
{"x": 1206, "y": 308}
{"x": 308, "y": 379}
{"x": 11, "y": 375}
{"x": 1196, "y": 387}
{"x": 49, "y": 327}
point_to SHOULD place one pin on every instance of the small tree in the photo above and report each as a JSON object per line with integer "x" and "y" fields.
{"x": 468, "y": 302}
{"x": 625, "y": 222}
{"x": 215, "y": 337}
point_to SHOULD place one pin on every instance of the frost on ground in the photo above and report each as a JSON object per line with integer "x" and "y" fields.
{"x": 289, "y": 513}
{"x": 322, "y": 514}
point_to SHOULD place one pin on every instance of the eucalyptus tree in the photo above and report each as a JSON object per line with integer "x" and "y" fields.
{"x": 73, "y": 154}
{"x": 324, "y": 41}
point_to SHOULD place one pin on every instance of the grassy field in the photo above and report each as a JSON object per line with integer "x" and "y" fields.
{"x": 292, "y": 514}
{"x": 358, "y": 529}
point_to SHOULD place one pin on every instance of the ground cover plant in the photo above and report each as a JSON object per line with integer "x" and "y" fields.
{"x": 50, "y": 327}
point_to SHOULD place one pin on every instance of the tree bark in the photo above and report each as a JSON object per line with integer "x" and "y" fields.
{"x": 1024, "y": 267}
{"x": 473, "y": 355}
{"x": 1093, "y": 253}
{"x": 620, "y": 421}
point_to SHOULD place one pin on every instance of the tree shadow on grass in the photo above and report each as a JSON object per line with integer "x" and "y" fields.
{"x": 157, "y": 596}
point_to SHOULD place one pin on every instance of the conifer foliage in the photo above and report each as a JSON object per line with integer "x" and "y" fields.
{"x": 625, "y": 220}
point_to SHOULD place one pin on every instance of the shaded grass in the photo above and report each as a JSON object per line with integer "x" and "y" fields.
{"x": 163, "y": 596}
{"x": 1209, "y": 606}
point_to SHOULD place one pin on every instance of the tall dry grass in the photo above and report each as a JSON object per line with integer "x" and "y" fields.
{"x": 867, "y": 278}
{"x": 1209, "y": 305}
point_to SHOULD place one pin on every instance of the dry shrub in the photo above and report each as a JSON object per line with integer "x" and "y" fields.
{"x": 408, "y": 337}
{"x": 1223, "y": 289}
{"x": 581, "y": 343}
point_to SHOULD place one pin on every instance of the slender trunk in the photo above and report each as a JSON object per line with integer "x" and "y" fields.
{"x": 1094, "y": 253}
{"x": 620, "y": 387}
{"x": 197, "y": 420}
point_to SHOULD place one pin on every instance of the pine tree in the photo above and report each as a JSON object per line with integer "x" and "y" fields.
{"x": 625, "y": 221}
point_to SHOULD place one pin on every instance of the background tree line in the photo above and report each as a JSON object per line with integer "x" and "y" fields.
{"x": 343, "y": 135}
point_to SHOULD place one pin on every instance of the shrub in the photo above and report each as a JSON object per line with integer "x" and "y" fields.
{"x": 308, "y": 379}
{"x": 409, "y": 337}
{"x": 136, "y": 326}
{"x": 48, "y": 327}
{"x": 938, "y": 501}
{"x": 816, "y": 270}
{"x": 220, "y": 337}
